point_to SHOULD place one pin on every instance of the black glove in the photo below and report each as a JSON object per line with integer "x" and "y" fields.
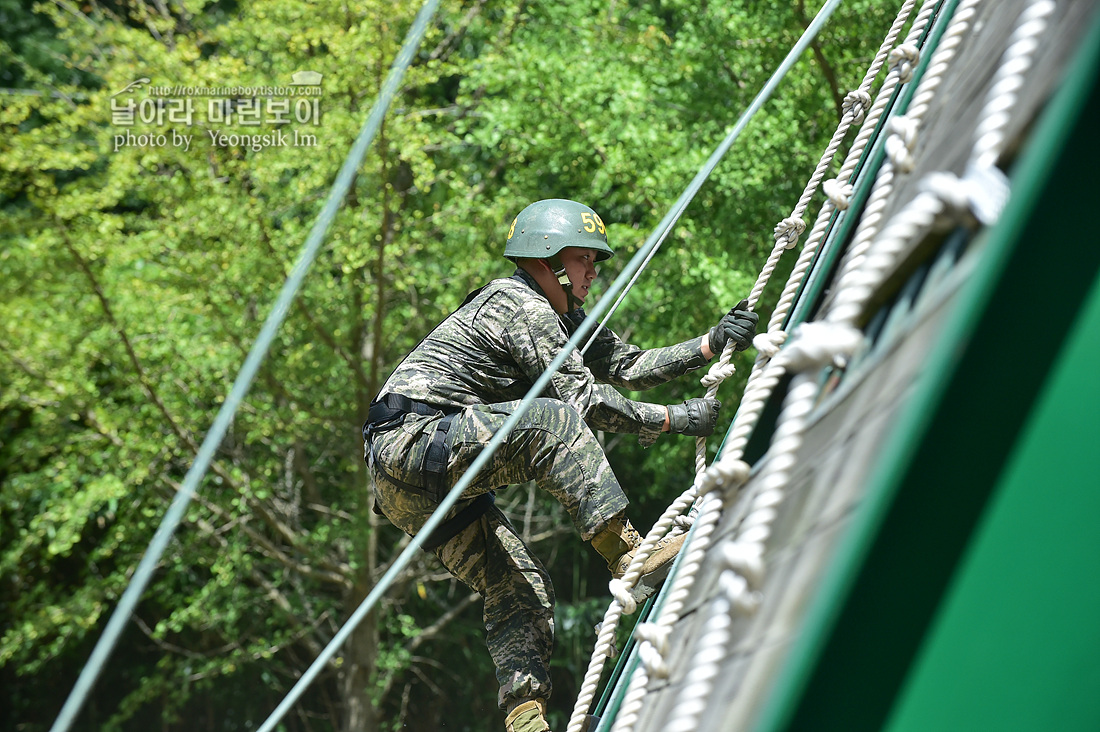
{"x": 738, "y": 325}
{"x": 573, "y": 320}
{"x": 695, "y": 417}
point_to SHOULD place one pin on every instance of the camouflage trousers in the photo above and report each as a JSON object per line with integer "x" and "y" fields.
{"x": 551, "y": 445}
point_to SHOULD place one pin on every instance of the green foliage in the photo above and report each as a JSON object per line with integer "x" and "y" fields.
{"x": 134, "y": 278}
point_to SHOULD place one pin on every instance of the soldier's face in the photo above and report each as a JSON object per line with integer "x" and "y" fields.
{"x": 580, "y": 265}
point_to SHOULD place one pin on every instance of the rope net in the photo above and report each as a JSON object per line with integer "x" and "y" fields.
{"x": 729, "y": 469}
{"x": 875, "y": 251}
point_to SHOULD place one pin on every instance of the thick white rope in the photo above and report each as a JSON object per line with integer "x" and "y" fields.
{"x": 1007, "y": 82}
{"x": 709, "y": 652}
{"x": 839, "y": 190}
{"x": 624, "y": 602}
{"x": 726, "y": 474}
{"x": 813, "y": 345}
{"x": 900, "y": 147}
{"x": 726, "y": 471}
{"x": 854, "y": 109}
{"x": 745, "y": 551}
{"x": 744, "y": 555}
{"x": 944, "y": 192}
{"x": 941, "y": 193}
{"x": 788, "y": 231}
{"x": 982, "y": 190}
{"x": 755, "y": 527}
{"x": 652, "y": 656}
{"x": 622, "y": 590}
{"x": 670, "y": 219}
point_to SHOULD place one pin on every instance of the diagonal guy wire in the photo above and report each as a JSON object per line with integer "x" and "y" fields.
{"x": 178, "y": 508}
{"x": 658, "y": 236}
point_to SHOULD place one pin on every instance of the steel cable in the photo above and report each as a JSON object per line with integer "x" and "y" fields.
{"x": 178, "y": 508}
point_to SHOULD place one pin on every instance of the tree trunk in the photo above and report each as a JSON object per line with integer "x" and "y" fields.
{"x": 360, "y": 656}
{"x": 361, "y": 652}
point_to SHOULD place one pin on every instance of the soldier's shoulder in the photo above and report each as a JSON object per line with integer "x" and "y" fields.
{"x": 508, "y": 290}
{"x": 508, "y": 284}
{"x": 508, "y": 302}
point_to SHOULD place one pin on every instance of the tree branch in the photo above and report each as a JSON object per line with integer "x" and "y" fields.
{"x": 448, "y": 44}
{"x": 324, "y": 335}
{"x": 444, "y": 620}
{"x": 280, "y": 528}
{"x": 826, "y": 68}
{"x": 268, "y": 548}
{"x": 272, "y": 592}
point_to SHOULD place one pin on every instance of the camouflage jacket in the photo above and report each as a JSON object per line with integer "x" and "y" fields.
{"x": 494, "y": 348}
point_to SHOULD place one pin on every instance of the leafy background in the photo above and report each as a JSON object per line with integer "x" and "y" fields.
{"x": 135, "y": 278}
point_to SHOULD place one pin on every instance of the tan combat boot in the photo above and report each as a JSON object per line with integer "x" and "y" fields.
{"x": 530, "y": 716}
{"x": 619, "y": 541}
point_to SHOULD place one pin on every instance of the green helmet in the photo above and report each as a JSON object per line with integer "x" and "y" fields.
{"x": 546, "y": 227}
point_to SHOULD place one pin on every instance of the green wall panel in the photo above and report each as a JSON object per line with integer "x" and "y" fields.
{"x": 943, "y": 469}
{"x": 1017, "y": 644}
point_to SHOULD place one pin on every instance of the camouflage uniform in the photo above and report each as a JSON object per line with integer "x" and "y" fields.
{"x": 482, "y": 359}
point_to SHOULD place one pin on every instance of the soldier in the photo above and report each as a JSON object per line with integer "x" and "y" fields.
{"x": 444, "y": 402}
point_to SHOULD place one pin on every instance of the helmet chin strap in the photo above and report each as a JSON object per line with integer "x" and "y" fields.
{"x": 572, "y": 302}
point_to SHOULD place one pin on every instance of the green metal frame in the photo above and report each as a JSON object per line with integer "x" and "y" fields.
{"x": 1015, "y": 644}
{"x": 950, "y": 450}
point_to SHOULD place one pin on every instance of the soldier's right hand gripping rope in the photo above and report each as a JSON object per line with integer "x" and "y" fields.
{"x": 738, "y": 325}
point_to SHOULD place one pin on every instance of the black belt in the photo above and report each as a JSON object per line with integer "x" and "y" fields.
{"x": 388, "y": 412}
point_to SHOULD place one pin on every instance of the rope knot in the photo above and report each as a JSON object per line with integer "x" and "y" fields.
{"x": 839, "y": 193}
{"x": 746, "y": 560}
{"x": 724, "y": 473}
{"x": 981, "y": 191}
{"x": 652, "y": 648}
{"x": 949, "y": 188}
{"x": 816, "y": 343}
{"x": 655, "y": 635}
{"x": 684, "y": 522}
{"x": 904, "y": 59}
{"x": 717, "y": 373}
{"x": 622, "y": 594}
{"x": 789, "y": 229}
{"x": 737, "y": 591}
{"x": 768, "y": 344}
{"x": 855, "y": 105}
{"x": 902, "y": 142}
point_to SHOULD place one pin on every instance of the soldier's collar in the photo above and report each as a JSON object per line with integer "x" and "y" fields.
{"x": 525, "y": 277}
